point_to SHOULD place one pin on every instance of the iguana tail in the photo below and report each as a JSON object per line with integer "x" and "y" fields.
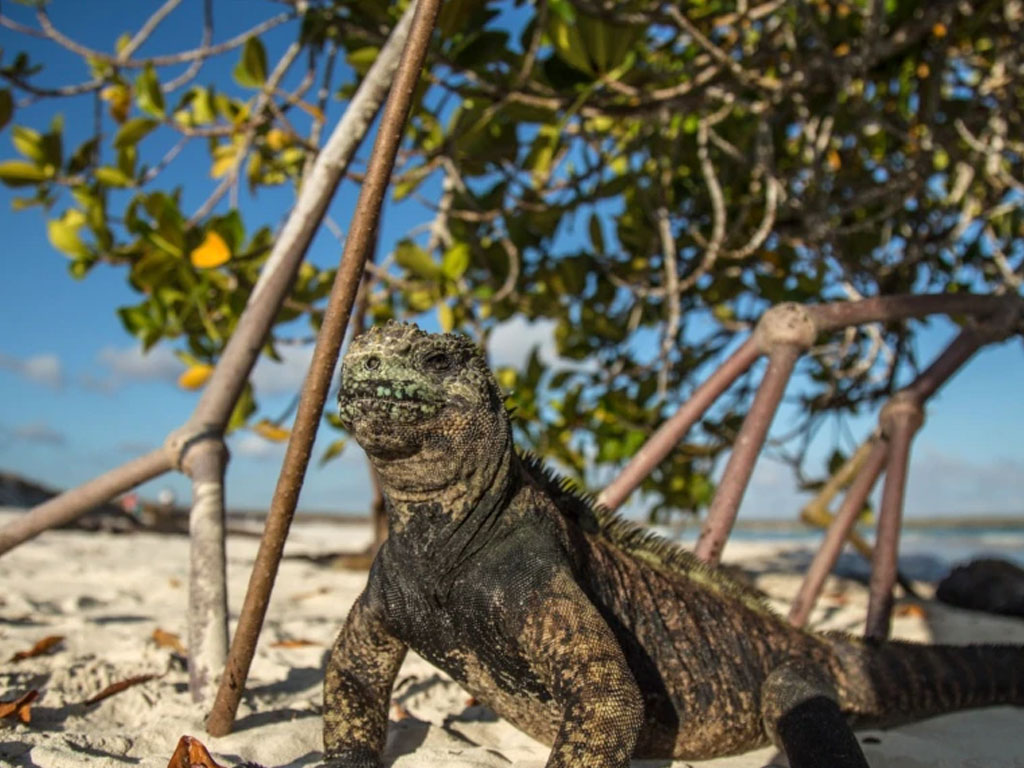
{"x": 891, "y": 682}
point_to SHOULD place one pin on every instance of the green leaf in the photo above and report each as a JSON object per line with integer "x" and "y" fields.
{"x": 18, "y": 173}
{"x": 361, "y": 59}
{"x": 203, "y": 109}
{"x": 244, "y": 408}
{"x": 455, "y": 261}
{"x": 334, "y": 449}
{"x": 83, "y": 156}
{"x": 113, "y": 177}
{"x": 148, "y": 93}
{"x": 29, "y": 143}
{"x": 63, "y": 234}
{"x": 542, "y": 153}
{"x": 416, "y": 260}
{"x": 132, "y": 132}
{"x": 6, "y": 107}
{"x": 251, "y": 70}
{"x": 596, "y": 235}
{"x": 568, "y": 43}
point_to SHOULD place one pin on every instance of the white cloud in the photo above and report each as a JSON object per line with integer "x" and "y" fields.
{"x": 42, "y": 369}
{"x": 512, "y": 342}
{"x": 38, "y": 433}
{"x": 272, "y": 378}
{"x": 131, "y": 363}
{"x": 121, "y": 365}
{"x": 253, "y": 446}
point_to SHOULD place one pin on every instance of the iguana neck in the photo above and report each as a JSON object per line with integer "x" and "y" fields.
{"x": 443, "y": 505}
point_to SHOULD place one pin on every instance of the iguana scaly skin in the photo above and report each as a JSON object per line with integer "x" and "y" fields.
{"x": 578, "y": 627}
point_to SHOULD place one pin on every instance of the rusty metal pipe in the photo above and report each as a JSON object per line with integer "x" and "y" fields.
{"x": 325, "y": 355}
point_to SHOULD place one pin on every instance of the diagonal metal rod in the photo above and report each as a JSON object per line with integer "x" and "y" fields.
{"x": 838, "y": 533}
{"x": 900, "y": 420}
{"x": 64, "y": 508}
{"x": 325, "y": 355}
{"x": 676, "y": 427}
{"x": 748, "y": 445}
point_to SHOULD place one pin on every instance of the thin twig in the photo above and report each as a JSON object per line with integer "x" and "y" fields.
{"x": 147, "y": 29}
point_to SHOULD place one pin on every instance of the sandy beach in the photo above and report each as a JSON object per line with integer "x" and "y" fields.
{"x": 118, "y": 601}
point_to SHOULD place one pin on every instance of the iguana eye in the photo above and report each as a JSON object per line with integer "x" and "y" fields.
{"x": 372, "y": 363}
{"x": 438, "y": 362}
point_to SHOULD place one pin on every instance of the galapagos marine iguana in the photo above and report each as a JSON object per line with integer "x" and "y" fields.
{"x": 578, "y": 627}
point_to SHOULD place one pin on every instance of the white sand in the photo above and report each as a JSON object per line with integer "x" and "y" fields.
{"x": 106, "y": 594}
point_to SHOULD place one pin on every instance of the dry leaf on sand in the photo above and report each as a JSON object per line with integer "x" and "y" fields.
{"x": 296, "y": 642}
{"x": 19, "y": 708}
{"x": 120, "y": 685}
{"x": 165, "y": 639}
{"x": 190, "y": 753}
{"x": 45, "y": 645}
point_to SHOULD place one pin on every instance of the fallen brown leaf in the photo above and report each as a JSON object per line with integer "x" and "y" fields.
{"x": 840, "y": 598}
{"x": 399, "y": 711}
{"x": 45, "y": 645}
{"x": 914, "y": 610}
{"x": 190, "y": 753}
{"x": 165, "y": 639}
{"x": 297, "y": 642}
{"x": 306, "y": 595}
{"x": 19, "y": 707}
{"x": 120, "y": 685}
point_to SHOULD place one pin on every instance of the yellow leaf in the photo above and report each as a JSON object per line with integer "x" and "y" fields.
{"x": 843, "y": 49}
{"x": 223, "y": 165}
{"x": 273, "y": 432}
{"x": 507, "y": 378}
{"x": 195, "y": 376}
{"x": 835, "y": 162}
{"x": 445, "y": 317}
{"x": 212, "y": 252}
{"x": 277, "y": 139}
{"x": 939, "y": 30}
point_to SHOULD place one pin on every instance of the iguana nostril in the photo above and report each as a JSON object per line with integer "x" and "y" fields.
{"x": 372, "y": 363}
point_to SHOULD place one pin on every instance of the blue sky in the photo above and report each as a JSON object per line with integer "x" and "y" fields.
{"x": 77, "y": 397}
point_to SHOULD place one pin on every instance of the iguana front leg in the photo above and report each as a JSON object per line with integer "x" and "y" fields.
{"x": 357, "y": 689}
{"x": 798, "y": 705}
{"x": 578, "y": 658}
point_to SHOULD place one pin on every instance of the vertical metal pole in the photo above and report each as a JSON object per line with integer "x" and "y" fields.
{"x": 901, "y": 418}
{"x": 208, "y": 598}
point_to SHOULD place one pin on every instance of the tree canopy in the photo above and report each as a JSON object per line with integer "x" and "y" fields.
{"x": 645, "y": 177}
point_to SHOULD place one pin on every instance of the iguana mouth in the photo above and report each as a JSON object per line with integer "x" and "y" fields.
{"x": 402, "y": 402}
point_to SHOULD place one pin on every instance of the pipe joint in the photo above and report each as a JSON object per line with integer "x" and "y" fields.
{"x": 785, "y": 325}
{"x": 903, "y": 409}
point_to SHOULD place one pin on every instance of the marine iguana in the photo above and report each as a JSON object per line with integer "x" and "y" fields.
{"x": 579, "y": 627}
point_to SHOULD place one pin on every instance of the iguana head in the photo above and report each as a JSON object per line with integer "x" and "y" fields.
{"x": 425, "y": 407}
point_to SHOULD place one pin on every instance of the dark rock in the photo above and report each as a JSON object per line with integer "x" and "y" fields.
{"x": 993, "y": 586}
{"x": 20, "y": 492}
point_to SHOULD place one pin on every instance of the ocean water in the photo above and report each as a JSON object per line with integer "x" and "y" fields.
{"x": 926, "y": 554}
